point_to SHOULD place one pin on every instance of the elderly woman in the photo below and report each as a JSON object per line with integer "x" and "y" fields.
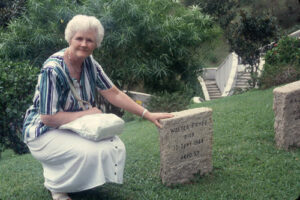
{"x": 70, "y": 162}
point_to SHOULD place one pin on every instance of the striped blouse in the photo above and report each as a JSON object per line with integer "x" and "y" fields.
{"x": 53, "y": 94}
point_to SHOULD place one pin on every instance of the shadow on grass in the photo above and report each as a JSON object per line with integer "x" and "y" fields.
{"x": 101, "y": 192}
{"x": 91, "y": 194}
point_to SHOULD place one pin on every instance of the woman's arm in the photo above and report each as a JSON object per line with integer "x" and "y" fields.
{"x": 120, "y": 99}
{"x": 61, "y": 118}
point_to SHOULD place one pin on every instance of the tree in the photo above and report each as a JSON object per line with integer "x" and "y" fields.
{"x": 286, "y": 11}
{"x": 223, "y": 11}
{"x": 152, "y": 42}
{"x": 248, "y": 35}
{"x": 37, "y": 33}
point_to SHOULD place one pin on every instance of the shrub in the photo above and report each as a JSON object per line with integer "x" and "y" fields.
{"x": 248, "y": 35}
{"x": 169, "y": 102}
{"x": 151, "y": 42}
{"x": 10, "y": 9}
{"x": 17, "y": 82}
{"x": 223, "y": 10}
{"x": 35, "y": 36}
{"x": 282, "y": 63}
{"x": 286, "y": 11}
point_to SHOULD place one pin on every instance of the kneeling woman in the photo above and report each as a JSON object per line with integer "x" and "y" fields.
{"x": 70, "y": 162}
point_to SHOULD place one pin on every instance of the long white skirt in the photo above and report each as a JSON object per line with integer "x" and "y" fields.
{"x": 72, "y": 163}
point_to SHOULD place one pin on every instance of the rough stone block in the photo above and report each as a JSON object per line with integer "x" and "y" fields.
{"x": 186, "y": 145}
{"x": 286, "y": 107}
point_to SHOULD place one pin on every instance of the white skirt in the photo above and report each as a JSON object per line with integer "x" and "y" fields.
{"x": 72, "y": 163}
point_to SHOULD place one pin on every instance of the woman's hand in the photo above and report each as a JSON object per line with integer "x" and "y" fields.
{"x": 93, "y": 110}
{"x": 121, "y": 100}
{"x": 155, "y": 117}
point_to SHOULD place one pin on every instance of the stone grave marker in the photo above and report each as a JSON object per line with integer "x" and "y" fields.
{"x": 186, "y": 145}
{"x": 286, "y": 107}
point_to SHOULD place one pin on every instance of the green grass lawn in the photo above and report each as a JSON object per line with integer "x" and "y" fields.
{"x": 246, "y": 163}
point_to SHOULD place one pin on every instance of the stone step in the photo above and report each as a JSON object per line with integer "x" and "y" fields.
{"x": 214, "y": 92}
{"x": 242, "y": 87}
{"x": 242, "y": 83}
{"x": 244, "y": 75}
{"x": 243, "y": 78}
{"x": 212, "y": 89}
{"x": 214, "y": 97}
{"x": 239, "y": 83}
{"x": 212, "y": 86}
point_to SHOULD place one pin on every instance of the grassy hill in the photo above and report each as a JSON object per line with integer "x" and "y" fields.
{"x": 246, "y": 163}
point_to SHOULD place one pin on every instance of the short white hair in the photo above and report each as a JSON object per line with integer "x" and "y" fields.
{"x": 84, "y": 23}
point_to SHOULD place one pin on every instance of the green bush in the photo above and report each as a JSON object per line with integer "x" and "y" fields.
{"x": 17, "y": 82}
{"x": 151, "y": 42}
{"x": 286, "y": 11}
{"x": 169, "y": 102}
{"x": 10, "y": 9}
{"x": 38, "y": 33}
{"x": 282, "y": 63}
{"x": 248, "y": 35}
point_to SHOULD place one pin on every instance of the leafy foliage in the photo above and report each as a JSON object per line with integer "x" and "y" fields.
{"x": 224, "y": 11}
{"x": 10, "y": 9}
{"x": 17, "y": 81}
{"x": 286, "y": 11}
{"x": 35, "y": 36}
{"x": 169, "y": 102}
{"x": 248, "y": 35}
{"x": 153, "y": 42}
{"x": 282, "y": 63}
{"x": 150, "y": 42}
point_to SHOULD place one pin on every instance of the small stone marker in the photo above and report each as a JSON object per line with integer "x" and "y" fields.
{"x": 286, "y": 107}
{"x": 186, "y": 145}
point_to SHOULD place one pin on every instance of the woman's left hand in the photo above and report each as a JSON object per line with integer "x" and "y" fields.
{"x": 155, "y": 117}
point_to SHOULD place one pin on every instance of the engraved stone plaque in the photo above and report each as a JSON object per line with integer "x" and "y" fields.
{"x": 186, "y": 145}
{"x": 286, "y": 107}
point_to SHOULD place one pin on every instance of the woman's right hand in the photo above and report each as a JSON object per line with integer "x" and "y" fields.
{"x": 93, "y": 110}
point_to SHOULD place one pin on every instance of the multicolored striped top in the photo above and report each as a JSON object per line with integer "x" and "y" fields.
{"x": 53, "y": 94}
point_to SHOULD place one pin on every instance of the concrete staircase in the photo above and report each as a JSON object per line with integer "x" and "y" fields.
{"x": 242, "y": 81}
{"x": 212, "y": 89}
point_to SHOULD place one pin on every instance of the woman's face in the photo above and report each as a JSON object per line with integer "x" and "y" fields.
{"x": 83, "y": 44}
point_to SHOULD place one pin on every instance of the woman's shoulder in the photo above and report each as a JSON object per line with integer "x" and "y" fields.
{"x": 54, "y": 61}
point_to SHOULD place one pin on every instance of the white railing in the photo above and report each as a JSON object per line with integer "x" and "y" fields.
{"x": 204, "y": 88}
{"x": 226, "y": 74}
